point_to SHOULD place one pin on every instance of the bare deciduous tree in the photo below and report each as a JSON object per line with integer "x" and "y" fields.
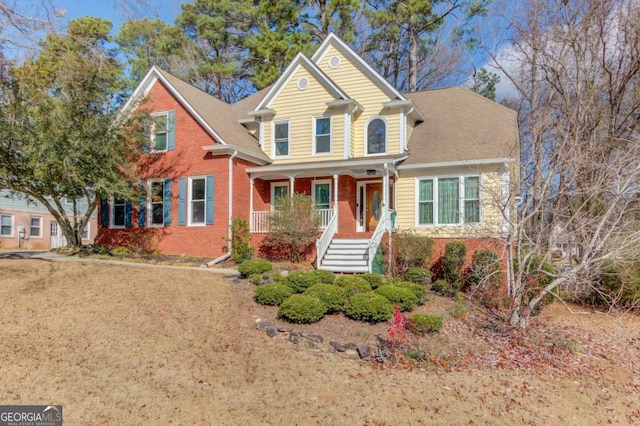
{"x": 576, "y": 68}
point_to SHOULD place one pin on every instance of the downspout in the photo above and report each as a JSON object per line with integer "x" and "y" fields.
{"x": 228, "y": 254}
{"x": 388, "y": 217}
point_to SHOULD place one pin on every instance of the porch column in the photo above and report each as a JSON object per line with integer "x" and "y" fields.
{"x": 291, "y": 183}
{"x": 251, "y": 187}
{"x": 385, "y": 195}
{"x": 335, "y": 196}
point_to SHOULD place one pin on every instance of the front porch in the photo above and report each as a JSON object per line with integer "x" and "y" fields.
{"x": 354, "y": 202}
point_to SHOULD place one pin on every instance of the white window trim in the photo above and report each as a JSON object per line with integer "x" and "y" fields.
{"x": 152, "y": 132}
{"x": 40, "y": 226}
{"x": 189, "y": 199}
{"x": 149, "y": 206}
{"x": 461, "y": 200}
{"x": 112, "y": 215}
{"x": 273, "y": 138}
{"x": 313, "y": 138}
{"x": 321, "y": 182}
{"x": 366, "y": 136}
{"x": 12, "y": 224}
{"x": 273, "y": 191}
{"x": 88, "y": 237}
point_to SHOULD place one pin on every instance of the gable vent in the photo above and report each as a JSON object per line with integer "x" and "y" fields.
{"x": 334, "y": 62}
{"x": 303, "y": 83}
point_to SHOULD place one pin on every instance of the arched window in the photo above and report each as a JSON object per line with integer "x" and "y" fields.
{"x": 377, "y": 136}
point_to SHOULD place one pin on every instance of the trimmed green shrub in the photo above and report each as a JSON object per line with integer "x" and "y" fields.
{"x": 423, "y": 324}
{"x": 418, "y": 289}
{"x": 452, "y": 262}
{"x": 418, "y": 275}
{"x": 256, "y": 279}
{"x": 272, "y": 294}
{"x": 483, "y": 270}
{"x": 444, "y": 288}
{"x": 368, "y": 307}
{"x": 354, "y": 283}
{"x": 332, "y": 296}
{"x": 302, "y": 309}
{"x": 299, "y": 281}
{"x": 374, "y": 280}
{"x": 324, "y": 276}
{"x": 254, "y": 266}
{"x": 240, "y": 238}
{"x": 397, "y": 295}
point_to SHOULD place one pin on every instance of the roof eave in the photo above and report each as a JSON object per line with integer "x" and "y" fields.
{"x": 242, "y": 153}
{"x": 442, "y": 164}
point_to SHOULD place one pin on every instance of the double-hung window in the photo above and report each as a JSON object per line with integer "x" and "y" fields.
{"x": 451, "y": 200}
{"x": 85, "y": 232}
{"x": 322, "y": 135}
{"x": 159, "y": 132}
{"x": 281, "y": 138}
{"x": 279, "y": 194}
{"x": 6, "y": 225}
{"x": 197, "y": 200}
{"x": 156, "y": 202}
{"x": 118, "y": 213}
{"x": 35, "y": 226}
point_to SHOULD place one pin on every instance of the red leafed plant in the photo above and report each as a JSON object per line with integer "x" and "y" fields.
{"x": 397, "y": 328}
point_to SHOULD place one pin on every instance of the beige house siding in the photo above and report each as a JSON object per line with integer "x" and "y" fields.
{"x": 357, "y": 86}
{"x": 299, "y": 107}
{"x": 491, "y": 184}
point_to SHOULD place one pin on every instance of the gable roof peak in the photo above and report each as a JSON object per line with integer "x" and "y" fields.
{"x": 336, "y": 42}
{"x": 312, "y": 67}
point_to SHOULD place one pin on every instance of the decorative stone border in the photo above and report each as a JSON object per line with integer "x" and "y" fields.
{"x": 353, "y": 351}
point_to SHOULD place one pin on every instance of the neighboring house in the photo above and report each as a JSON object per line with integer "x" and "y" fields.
{"x": 441, "y": 162}
{"x": 30, "y": 225}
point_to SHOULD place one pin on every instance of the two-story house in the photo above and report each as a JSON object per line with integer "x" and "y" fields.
{"x": 440, "y": 162}
{"x": 28, "y": 224}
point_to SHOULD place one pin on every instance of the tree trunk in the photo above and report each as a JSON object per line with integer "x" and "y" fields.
{"x": 519, "y": 317}
{"x": 413, "y": 58}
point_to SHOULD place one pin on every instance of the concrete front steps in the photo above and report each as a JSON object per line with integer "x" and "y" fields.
{"x": 348, "y": 255}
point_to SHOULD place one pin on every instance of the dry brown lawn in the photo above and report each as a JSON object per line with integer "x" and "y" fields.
{"x": 132, "y": 345}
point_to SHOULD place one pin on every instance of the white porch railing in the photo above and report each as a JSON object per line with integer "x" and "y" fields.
{"x": 322, "y": 243}
{"x": 374, "y": 242}
{"x": 260, "y": 220}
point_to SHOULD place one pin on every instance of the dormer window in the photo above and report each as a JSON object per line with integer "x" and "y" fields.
{"x": 377, "y": 136}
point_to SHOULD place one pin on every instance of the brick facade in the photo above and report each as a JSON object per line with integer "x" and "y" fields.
{"x": 188, "y": 159}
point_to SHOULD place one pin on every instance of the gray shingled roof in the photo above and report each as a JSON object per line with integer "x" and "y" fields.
{"x": 218, "y": 115}
{"x": 461, "y": 125}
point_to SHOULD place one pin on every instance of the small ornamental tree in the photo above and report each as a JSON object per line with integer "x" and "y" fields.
{"x": 294, "y": 226}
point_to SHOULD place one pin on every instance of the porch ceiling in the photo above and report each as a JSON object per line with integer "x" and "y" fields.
{"x": 356, "y": 167}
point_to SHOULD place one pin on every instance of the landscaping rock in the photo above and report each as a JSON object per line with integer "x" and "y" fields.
{"x": 337, "y": 346}
{"x": 363, "y": 350}
{"x": 294, "y": 339}
{"x": 272, "y": 331}
{"x": 315, "y": 338}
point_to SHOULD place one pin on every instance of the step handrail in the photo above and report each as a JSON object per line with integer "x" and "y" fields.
{"x": 322, "y": 243}
{"x": 374, "y": 242}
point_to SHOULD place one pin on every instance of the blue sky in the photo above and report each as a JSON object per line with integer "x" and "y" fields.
{"x": 112, "y": 10}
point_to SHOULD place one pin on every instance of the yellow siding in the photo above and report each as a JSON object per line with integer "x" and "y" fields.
{"x": 491, "y": 193}
{"x": 357, "y": 86}
{"x": 299, "y": 107}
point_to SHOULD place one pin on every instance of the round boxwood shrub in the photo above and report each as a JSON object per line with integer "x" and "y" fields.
{"x": 254, "y": 266}
{"x": 398, "y": 295}
{"x": 272, "y": 294}
{"x": 302, "y": 309}
{"x": 418, "y": 275}
{"x": 418, "y": 289}
{"x": 324, "y": 276}
{"x": 374, "y": 280}
{"x": 354, "y": 283}
{"x": 332, "y": 296}
{"x": 423, "y": 324}
{"x": 368, "y": 307}
{"x": 299, "y": 281}
{"x": 444, "y": 288}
